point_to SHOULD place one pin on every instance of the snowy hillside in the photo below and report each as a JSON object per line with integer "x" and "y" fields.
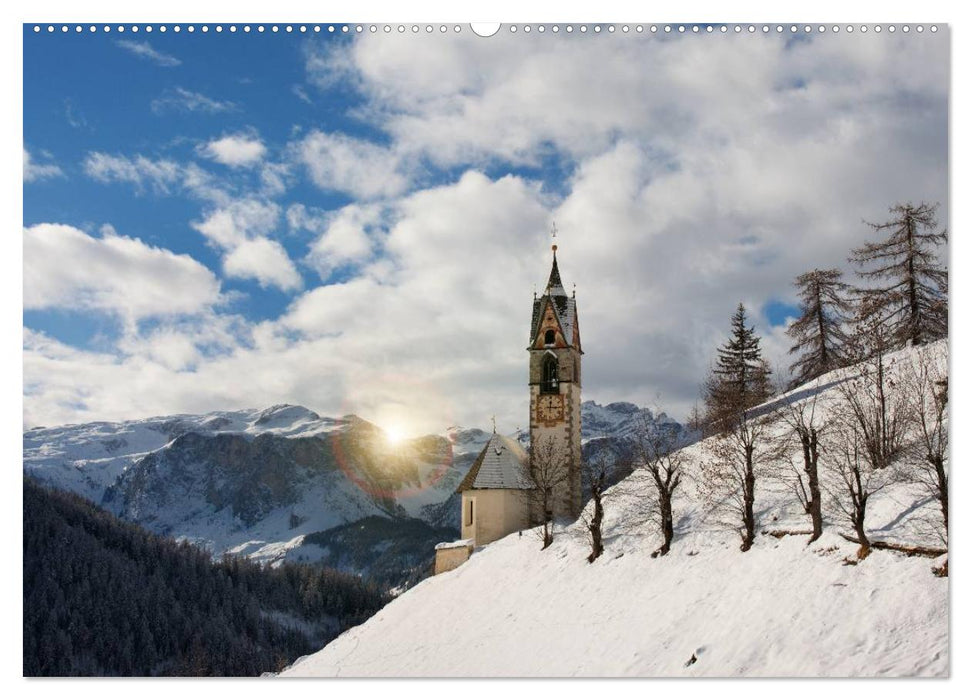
{"x": 784, "y": 608}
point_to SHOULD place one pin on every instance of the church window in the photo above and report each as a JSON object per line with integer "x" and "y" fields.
{"x": 550, "y": 337}
{"x": 470, "y": 513}
{"x": 551, "y": 382}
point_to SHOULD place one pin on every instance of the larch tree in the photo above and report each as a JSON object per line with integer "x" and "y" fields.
{"x": 909, "y": 292}
{"x": 818, "y": 333}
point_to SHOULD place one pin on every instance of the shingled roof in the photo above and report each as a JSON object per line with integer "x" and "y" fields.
{"x": 502, "y": 464}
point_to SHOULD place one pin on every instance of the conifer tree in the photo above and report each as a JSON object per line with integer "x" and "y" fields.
{"x": 818, "y": 332}
{"x": 740, "y": 378}
{"x": 913, "y": 299}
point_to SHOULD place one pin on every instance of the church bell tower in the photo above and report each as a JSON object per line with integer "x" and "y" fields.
{"x": 554, "y": 392}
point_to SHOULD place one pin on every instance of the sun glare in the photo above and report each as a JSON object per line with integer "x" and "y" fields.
{"x": 394, "y": 434}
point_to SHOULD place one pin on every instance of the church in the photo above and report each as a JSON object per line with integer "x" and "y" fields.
{"x": 507, "y": 489}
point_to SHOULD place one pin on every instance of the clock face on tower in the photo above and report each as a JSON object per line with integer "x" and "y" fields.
{"x": 549, "y": 409}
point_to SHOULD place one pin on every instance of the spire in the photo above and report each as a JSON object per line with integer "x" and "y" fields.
{"x": 555, "y": 286}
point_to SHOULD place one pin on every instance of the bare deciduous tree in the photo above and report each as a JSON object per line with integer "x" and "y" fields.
{"x": 728, "y": 479}
{"x": 549, "y": 471}
{"x": 924, "y": 387}
{"x": 857, "y": 478}
{"x": 877, "y": 411}
{"x": 658, "y": 450}
{"x": 597, "y": 471}
{"x": 807, "y": 426}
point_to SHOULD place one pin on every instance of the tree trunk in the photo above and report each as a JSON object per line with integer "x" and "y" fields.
{"x": 859, "y": 518}
{"x": 547, "y": 527}
{"x": 810, "y": 453}
{"x": 667, "y": 523}
{"x": 938, "y": 462}
{"x": 748, "y": 502}
{"x": 596, "y": 534}
{"x": 915, "y": 320}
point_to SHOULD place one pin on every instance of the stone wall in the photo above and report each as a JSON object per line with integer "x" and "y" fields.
{"x": 452, "y": 555}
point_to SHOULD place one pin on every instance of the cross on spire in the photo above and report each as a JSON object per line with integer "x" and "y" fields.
{"x": 493, "y": 422}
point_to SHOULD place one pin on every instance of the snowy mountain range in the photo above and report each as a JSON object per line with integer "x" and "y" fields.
{"x": 285, "y": 482}
{"x": 783, "y": 608}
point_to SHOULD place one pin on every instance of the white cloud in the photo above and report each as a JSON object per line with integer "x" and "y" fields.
{"x": 140, "y": 171}
{"x": 344, "y": 237}
{"x": 235, "y": 150}
{"x": 240, "y": 228}
{"x": 162, "y": 176}
{"x": 179, "y": 99}
{"x": 34, "y": 171}
{"x": 702, "y": 171}
{"x": 65, "y": 268}
{"x": 341, "y": 163}
{"x": 265, "y": 261}
{"x": 143, "y": 49}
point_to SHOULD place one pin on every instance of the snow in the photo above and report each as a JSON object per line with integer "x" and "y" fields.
{"x": 454, "y": 545}
{"x": 784, "y": 608}
{"x": 780, "y": 609}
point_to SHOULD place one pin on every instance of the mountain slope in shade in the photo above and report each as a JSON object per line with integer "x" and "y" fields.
{"x": 784, "y": 608}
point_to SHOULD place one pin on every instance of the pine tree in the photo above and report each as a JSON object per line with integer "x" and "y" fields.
{"x": 818, "y": 332}
{"x": 912, "y": 303}
{"x": 740, "y": 379}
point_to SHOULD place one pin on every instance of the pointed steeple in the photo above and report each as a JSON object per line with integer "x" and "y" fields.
{"x": 555, "y": 286}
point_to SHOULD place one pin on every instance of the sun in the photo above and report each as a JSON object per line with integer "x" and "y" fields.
{"x": 394, "y": 434}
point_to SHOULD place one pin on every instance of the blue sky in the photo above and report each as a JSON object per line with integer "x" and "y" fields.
{"x": 356, "y": 223}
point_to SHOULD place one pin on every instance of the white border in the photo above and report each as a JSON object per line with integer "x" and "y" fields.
{"x": 387, "y": 11}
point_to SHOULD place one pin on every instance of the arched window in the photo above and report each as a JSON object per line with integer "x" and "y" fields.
{"x": 551, "y": 381}
{"x": 550, "y": 338}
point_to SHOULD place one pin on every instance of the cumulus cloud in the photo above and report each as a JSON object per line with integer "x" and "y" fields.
{"x": 265, "y": 261}
{"x": 240, "y": 228}
{"x": 700, "y": 172}
{"x": 343, "y": 237}
{"x": 34, "y": 171}
{"x": 119, "y": 275}
{"x": 235, "y": 150}
{"x": 143, "y": 49}
{"x": 178, "y": 99}
{"x": 342, "y": 163}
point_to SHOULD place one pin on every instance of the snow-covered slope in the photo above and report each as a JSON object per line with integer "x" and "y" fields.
{"x": 784, "y": 608}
